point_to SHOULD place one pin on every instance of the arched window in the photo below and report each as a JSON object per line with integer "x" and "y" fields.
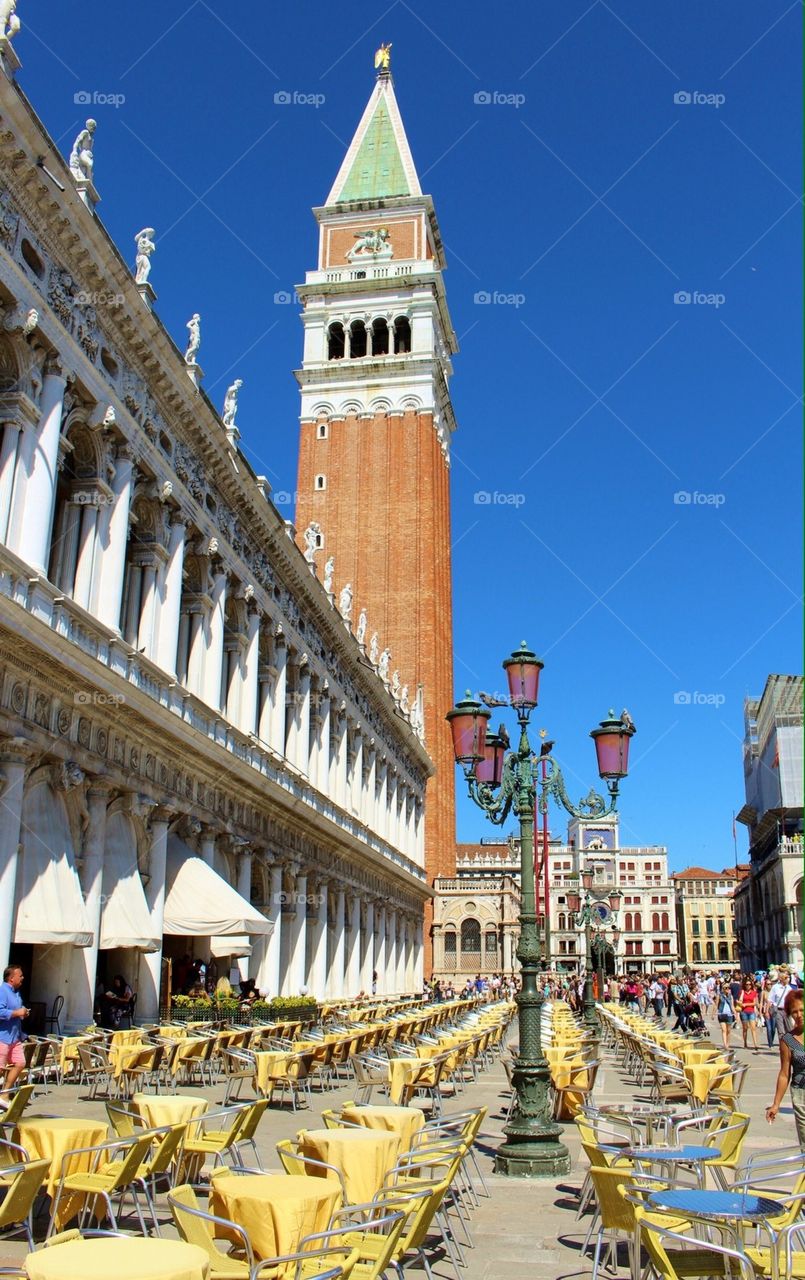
{"x": 450, "y": 949}
{"x": 561, "y": 920}
{"x": 710, "y": 951}
{"x": 627, "y": 922}
{"x": 723, "y": 953}
{"x": 335, "y": 341}
{"x": 402, "y": 336}
{"x": 322, "y": 431}
{"x": 491, "y": 947}
{"x": 320, "y": 482}
{"x": 470, "y": 938}
{"x": 638, "y": 922}
{"x": 655, "y": 920}
{"x": 380, "y": 338}
{"x": 664, "y": 924}
{"x": 357, "y": 339}
{"x": 697, "y": 953}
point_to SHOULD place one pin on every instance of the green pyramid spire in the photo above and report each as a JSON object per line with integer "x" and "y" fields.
{"x": 377, "y": 170}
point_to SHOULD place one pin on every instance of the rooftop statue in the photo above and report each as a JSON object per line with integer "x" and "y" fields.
{"x": 383, "y": 58}
{"x": 145, "y": 247}
{"x": 82, "y": 160}
{"x": 194, "y": 341}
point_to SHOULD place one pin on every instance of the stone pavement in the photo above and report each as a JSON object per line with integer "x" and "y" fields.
{"x": 526, "y": 1227}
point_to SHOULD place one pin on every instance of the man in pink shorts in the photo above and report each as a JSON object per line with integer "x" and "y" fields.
{"x": 12, "y": 1012}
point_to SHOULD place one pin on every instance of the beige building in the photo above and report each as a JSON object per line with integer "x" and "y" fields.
{"x": 705, "y": 911}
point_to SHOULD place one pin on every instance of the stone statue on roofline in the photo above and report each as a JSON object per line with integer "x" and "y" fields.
{"x": 9, "y": 22}
{"x": 329, "y": 574}
{"x": 345, "y": 602}
{"x": 363, "y": 622}
{"x": 383, "y": 58}
{"x": 374, "y": 649}
{"x": 383, "y": 665}
{"x": 82, "y": 161}
{"x": 145, "y": 247}
{"x": 312, "y": 537}
{"x": 194, "y": 340}
{"x": 231, "y": 403}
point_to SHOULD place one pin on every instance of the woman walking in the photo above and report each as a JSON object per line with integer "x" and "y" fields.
{"x": 792, "y": 1064}
{"x": 726, "y": 1011}
{"x": 747, "y": 1007}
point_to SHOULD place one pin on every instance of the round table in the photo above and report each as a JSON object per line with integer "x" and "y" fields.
{"x": 717, "y": 1205}
{"x": 46, "y": 1138}
{"x": 275, "y": 1210}
{"x": 406, "y": 1122}
{"x": 161, "y": 1109}
{"x": 363, "y": 1156}
{"x": 670, "y": 1156}
{"x": 134, "y": 1258}
{"x": 653, "y": 1115}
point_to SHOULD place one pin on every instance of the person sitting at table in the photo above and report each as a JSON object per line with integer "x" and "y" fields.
{"x": 792, "y": 1064}
{"x": 118, "y": 1001}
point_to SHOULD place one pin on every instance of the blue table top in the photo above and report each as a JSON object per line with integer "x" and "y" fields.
{"x": 679, "y": 1154}
{"x": 717, "y": 1204}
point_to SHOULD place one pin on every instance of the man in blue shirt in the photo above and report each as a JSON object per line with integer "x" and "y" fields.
{"x": 12, "y": 1012}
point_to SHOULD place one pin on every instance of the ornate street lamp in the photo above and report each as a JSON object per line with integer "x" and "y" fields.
{"x": 599, "y": 912}
{"x": 500, "y": 783}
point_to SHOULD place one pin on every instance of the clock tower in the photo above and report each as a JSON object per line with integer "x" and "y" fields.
{"x": 376, "y": 427}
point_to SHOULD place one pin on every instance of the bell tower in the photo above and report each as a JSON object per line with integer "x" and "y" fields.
{"x": 377, "y": 422}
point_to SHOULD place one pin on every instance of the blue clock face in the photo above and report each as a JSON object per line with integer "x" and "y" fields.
{"x": 602, "y": 911}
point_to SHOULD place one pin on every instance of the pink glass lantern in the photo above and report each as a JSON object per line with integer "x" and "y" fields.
{"x": 490, "y": 769}
{"x": 612, "y": 739}
{"x": 468, "y": 721}
{"x": 573, "y": 900}
{"x": 522, "y": 672}
{"x": 615, "y": 899}
{"x": 587, "y": 879}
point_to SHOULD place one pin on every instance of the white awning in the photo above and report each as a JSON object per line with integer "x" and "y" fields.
{"x": 50, "y": 904}
{"x": 230, "y": 946}
{"x": 125, "y": 918}
{"x": 199, "y": 902}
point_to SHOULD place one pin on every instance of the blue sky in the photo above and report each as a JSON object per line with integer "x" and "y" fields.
{"x": 574, "y": 186}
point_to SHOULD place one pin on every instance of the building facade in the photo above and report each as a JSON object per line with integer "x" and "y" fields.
{"x": 376, "y": 427}
{"x": 769, "y": 902}
{"x": 705, "y": 912}
{"x": 194, "y": 755}
{"x": 484, "y": 897}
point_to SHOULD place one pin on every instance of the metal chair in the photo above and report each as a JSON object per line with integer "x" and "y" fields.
{"x": 16, "y": 1210}
{"x": 52, "y": 1021}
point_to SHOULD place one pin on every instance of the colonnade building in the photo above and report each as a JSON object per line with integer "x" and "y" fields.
{"x": 196, "y": 755}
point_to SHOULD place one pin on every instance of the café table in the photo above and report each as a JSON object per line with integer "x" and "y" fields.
{"x": 406, "y": 1122}
{"x": 275, "y": 1210}
{"x": 50, "y": 1138}
{"x": 404, "y": 1071}
{"x": 158, "y": 1110}
{"x": 702, "y": 1076}
{"x": 363, "y": 1157}
{"x": 652, "y": 1116}
{"x": 717, "y": 1206}
{"x": 133, "y": 1258}
{"x": 673, "y": 1158}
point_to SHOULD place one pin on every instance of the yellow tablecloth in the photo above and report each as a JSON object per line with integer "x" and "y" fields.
{"x": 406, "y": 1122}
{"x": 50, "y": 1139}
{"x": 68, "y": 1053}
{"x": 187, "y": 1050}
{"x": 173, "y": 1033}
{"x": 271, "y": 1065}
{"x": 701, "y": 1078}
{"x": 275, "y": 1210}
{"x": 114, "y": 1259}
{"x": 403, "y": 1071}
{"x": 132, "y": 1035}
{"x": 123, "y": 1056}
{"x": 363, "y": 1156}
{"x": 161, "y": 1109}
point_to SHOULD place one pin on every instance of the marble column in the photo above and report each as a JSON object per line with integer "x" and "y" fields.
{"x": 268, "y": 974}
{"x": 85, "y": 564}
{"x": 380, "y": 959}
{"x": 339, "y": 782}
{"x": 317, "y": 975}
{"x": 151, "y": 964}
{"x": 402, "y": 928}
{"x": 195, "y": 649}
{"x": 245, "y": 891}
{"x": 302, "y": 718}
{"x": 12, "y": 432}
{"x": 391, "y": 953}
{"x": 248, "y": 675}
{"x": 356, "y": 780}
{"x": 84, "y": 960}
{"x": 368, "y": 957}
{"x": 35, "y": 498}
{"x": 368, "y": 801}
{"x": 352, "y": 982}
{"x": 14, "y": 756}
{"x": 295, "y": 977}
{"x": 113, "y": 535}
{"x": 214, "y": 656}
{"x": 337, "y": 965}
{"x": 148, "y": 607}
{"x": 276, "y": 738}
{"x": 171, "y": 599}
{"x": 206, "y": 846}
{"x": 419, "y": 971}
{"x": 381, "y": 808}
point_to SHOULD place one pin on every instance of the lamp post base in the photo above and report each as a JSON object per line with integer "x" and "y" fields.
{"x": 532, "y": 1159}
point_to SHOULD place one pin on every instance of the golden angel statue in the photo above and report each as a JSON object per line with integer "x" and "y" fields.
{"x": 383, "y": 58}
